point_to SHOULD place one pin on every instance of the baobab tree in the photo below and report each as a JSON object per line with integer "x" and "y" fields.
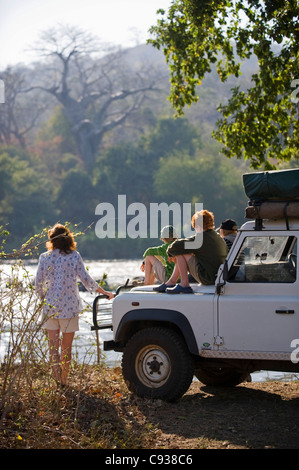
{"x": 88, "y": 78}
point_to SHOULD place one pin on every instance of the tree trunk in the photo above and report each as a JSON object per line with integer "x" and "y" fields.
{"x": 87, "y": 144}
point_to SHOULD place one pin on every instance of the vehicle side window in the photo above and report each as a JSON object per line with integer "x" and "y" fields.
{"x": 266, "y": 259}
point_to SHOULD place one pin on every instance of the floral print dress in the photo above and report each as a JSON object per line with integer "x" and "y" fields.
{"x": 56, "y": 281}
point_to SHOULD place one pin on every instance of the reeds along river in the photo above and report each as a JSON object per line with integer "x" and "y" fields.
{"x": 85, "y": 350}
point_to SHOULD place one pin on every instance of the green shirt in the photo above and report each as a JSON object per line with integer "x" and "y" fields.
{"x": 209, "y": 256}
{"x": 160, "y": 252}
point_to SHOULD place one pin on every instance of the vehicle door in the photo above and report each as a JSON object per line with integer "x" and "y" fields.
{"x": 259, "y": 307}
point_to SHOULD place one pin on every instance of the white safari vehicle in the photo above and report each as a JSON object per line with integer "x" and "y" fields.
{"x": 247, "y": 321}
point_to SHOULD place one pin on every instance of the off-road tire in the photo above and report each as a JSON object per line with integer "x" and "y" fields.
{"x": 157, "y": 364}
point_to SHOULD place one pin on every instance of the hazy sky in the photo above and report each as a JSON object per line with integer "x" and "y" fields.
{"x": 114, "y": 21}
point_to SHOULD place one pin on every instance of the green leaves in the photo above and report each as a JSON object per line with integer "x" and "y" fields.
{"x": 25, "y": 193}
{"x": 261, "y": 123}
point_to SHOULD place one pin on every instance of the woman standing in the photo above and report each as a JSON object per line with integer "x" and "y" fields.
{"x": 56, "y": 281}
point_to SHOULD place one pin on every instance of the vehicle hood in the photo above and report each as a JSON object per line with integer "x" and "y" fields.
{"x": 197, "y": 289}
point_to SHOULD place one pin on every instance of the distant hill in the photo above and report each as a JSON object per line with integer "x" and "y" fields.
{"x": 211, "y": 92}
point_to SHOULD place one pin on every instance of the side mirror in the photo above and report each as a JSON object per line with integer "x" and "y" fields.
{"x": 225, "y": 271}
{"x": 224, "y": 278}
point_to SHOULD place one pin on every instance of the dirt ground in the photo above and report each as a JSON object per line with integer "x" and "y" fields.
{"x": 250, "y": 416}
{"x": 99, "y": 412}
{"x": 253, "y": 415}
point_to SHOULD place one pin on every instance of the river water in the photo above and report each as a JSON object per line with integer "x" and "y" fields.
{"x": 117, "y": 271}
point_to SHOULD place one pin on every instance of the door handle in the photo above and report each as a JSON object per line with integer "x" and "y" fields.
{"x": 288, "y": 312}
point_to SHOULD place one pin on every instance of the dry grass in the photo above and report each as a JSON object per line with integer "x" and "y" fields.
{"x": 94, "y": 411}
{"x": 98, "y": 412}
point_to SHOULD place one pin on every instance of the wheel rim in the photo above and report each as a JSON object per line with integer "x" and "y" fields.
{"x": 153, "y": 366}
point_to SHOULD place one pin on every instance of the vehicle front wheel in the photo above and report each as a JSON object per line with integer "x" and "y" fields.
{"x": 157, "y": 364}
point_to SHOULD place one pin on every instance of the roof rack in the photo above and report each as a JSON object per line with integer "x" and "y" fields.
{"x": 270, "y": 209}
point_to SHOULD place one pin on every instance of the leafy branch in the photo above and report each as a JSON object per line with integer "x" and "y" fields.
{"x": 31, "y": 246}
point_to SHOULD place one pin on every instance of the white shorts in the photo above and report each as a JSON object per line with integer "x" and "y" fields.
{"x": 65, "y": 325}
{"x": 159, "y": 271}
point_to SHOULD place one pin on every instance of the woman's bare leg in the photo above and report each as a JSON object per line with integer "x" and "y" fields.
{"x": 53, "y": 337}
{"x": 66, "y": 355}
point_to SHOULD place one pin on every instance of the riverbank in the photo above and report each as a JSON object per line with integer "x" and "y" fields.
{"x": 96, "y": 411}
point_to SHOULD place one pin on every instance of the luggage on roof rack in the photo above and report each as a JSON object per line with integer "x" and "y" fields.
{"x": 272, "y": 210}
{"x": 279, "y": 185}
{"x": 272, "y": 194}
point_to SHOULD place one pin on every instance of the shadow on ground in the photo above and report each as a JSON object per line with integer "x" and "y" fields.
{"x": 248, "y": 416}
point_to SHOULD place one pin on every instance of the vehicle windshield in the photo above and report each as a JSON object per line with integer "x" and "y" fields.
{"x": 265, "y": 259}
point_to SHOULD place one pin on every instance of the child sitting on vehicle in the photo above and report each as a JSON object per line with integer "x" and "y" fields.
{"x": 156, "y": 265}
{"x": 201, "y": 259}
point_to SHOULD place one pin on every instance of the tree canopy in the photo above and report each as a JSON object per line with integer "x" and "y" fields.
{"x": 149, "y": 156}
{"x": 261, "y": 123}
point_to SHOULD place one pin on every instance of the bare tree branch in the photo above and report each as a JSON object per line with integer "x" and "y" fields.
{"x": 16, "y": 119}
{"x": 90, "y": 91}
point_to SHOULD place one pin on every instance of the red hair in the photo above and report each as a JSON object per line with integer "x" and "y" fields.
{"x": 207, "y": 219}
